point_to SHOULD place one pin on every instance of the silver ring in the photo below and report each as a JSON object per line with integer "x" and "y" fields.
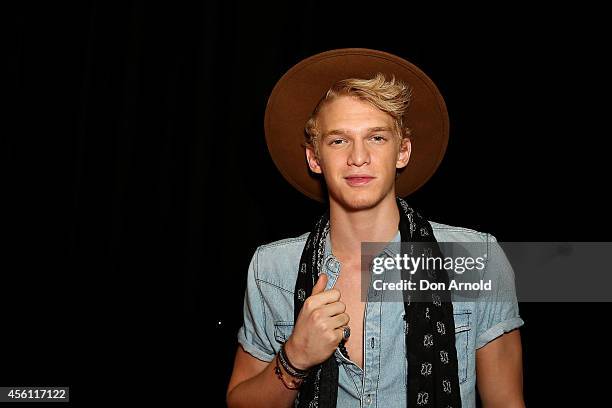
{"x": 346, "y": 332}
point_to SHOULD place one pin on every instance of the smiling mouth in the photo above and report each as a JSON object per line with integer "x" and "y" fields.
{"x": 358, "y": 180}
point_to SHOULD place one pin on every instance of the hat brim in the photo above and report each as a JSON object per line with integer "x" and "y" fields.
{"x": 296, "y": 94}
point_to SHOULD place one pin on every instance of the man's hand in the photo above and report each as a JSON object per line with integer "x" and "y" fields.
{"x": 319, "y": 327}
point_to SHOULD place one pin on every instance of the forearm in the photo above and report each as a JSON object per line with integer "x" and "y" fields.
{"x": 515, "y": 402}
{"x": 263, "y": 390}
{"x": 508, "y": 394}
{"x": 504, "y": 390}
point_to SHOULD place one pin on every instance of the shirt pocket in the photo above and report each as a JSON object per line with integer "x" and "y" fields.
{"x": 282, "y": 330}
{"x": 462, "y": 341}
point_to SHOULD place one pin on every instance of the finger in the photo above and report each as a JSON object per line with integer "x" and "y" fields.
{"x": 339, "y": 332}
{"x": 319, "y": 287}
{"x": 324, "y": 298}
{"x": 333, "y": 309}
{"x": 340, "y": 320}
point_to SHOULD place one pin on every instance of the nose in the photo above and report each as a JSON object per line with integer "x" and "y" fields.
{"x": 359, "y": 154}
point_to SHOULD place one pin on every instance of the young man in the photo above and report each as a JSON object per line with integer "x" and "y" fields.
{"x": 376, "y": 129}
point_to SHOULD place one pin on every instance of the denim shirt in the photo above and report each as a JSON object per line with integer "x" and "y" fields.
{"x": 268, "y": 320}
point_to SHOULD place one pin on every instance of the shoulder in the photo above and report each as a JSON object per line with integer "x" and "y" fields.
{"x": 450, "y": 233}
{"x": 284, "y": 248}
{"x": 298, "y": 241}
{"x": 276, "y": 263}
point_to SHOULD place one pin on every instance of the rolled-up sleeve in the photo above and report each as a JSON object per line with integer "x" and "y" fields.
{"x": 498, "y": 310}
{"x": 252, "y": 335}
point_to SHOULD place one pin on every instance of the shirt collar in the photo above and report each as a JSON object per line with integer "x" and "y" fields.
{"x": 392, "y": 249}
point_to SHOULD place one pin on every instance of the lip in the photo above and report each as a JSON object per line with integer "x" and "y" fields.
{"x": 358, "y": 179}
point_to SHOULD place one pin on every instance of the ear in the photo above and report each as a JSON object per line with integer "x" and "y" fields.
{"x": 403, "y": 156}
{"x": 313, "y": 162}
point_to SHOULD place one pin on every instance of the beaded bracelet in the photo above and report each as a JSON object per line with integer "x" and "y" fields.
{"x": 290, "y": 368}
{"x": 293, "y": 385}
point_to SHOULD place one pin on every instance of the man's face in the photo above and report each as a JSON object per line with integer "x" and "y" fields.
{"x": 358, "y": 153}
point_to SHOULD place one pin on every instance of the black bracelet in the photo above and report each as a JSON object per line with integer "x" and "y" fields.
{"x": 293, "y": 385}
{"x": 290, "y": 368}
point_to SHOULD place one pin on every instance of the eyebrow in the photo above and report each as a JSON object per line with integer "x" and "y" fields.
{"x": 342, "y": 132}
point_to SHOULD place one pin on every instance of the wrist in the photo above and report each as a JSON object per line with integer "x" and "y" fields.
{"x": 287, "y": 373}
{"x": 293, "y": 354}
{"x": 292, "y": 383}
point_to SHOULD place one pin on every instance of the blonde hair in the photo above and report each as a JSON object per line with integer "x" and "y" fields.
{"x": 391, "y": 96}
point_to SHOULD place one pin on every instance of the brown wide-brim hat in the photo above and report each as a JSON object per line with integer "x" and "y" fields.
{"x": 298, "y": 92}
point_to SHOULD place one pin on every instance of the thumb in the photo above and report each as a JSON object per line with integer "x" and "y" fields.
{"x": 320, "y": 285}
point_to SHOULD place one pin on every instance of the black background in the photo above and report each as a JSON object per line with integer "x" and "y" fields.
{"x": 138, "y": 182}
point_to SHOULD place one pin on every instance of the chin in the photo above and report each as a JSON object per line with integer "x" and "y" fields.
{"x": 357, "y": 201}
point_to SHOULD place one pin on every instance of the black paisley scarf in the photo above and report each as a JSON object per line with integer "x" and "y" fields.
{"x": 432, "y": 358}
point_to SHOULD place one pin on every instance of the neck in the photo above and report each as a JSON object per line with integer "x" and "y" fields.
{"x": 348, "y": 229}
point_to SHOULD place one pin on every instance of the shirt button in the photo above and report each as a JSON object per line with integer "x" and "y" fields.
{"x": 368, "y": 399}
{"x": 332, "y": 265}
